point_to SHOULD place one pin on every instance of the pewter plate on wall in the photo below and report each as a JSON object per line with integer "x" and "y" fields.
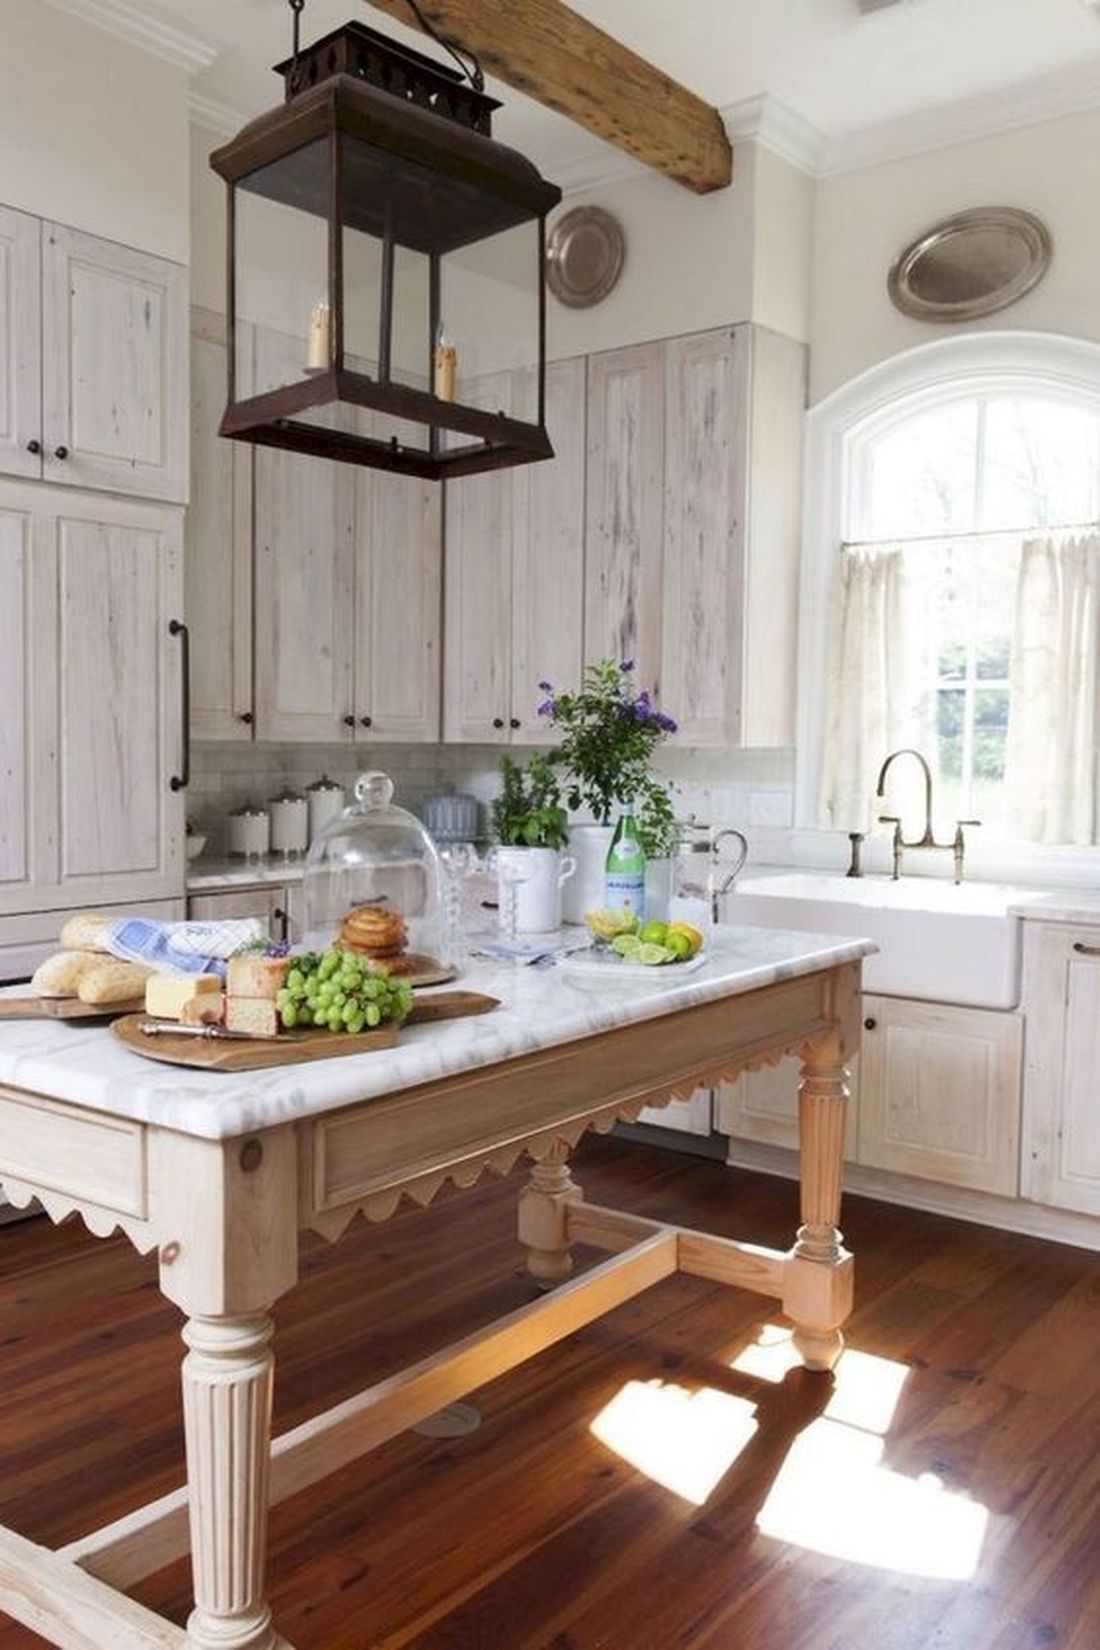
{"x": 972, "y": 264}
{"x": 584, "y": 256}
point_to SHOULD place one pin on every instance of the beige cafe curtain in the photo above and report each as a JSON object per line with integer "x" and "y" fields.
{"x": 1051, "y": 771}
{"x": 875, "y": 698}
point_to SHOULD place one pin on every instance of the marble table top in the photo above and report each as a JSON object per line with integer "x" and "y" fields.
{"x": 540, "y": 1008}
{"x": 1061, "y": 905}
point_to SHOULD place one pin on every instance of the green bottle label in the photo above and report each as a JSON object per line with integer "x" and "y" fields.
{"x": 624, "y": 880}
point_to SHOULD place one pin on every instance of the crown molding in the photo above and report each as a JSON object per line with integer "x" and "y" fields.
{"x": 218, "y": 116}
{"x": 764, "y": 119}
{"x": 1026, "y": 103}
{"x": 138, "y": 27}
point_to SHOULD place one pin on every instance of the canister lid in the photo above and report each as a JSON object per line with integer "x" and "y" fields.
{"x": 249, "y": 810}
{"x": 324, "y": 784}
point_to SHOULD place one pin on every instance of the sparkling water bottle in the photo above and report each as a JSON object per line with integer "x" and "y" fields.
{"x": 624, "y": 878}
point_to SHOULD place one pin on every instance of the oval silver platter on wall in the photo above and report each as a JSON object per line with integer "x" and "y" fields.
{"x": 972, "y": 264}
{"x": 584, "y": 256}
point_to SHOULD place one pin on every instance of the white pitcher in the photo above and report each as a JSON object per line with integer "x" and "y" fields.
{"x": 533, "y": 878}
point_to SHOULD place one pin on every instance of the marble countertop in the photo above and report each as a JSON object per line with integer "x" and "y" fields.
{"x": 207, "y": 875}
{"x": 1061, "y": 905}
{"x": 540, "y": 1008}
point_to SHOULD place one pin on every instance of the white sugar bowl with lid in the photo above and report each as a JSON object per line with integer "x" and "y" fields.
{"x": 326, "y": 800}
{"x": 289, "y": 823}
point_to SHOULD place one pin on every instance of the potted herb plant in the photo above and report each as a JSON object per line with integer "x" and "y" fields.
{"x": 531, "y": 828}
{"x": 609, "y": 734}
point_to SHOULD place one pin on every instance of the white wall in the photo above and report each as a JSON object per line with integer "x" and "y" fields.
{"x": 93, "y": 132}
{"x": 864, "y": 218}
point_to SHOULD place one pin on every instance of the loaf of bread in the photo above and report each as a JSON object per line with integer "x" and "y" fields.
{"x": 113, "y": 982}
{"x": 249, "y": 975}
{"x": 255, "y": 1016}
{"x": 61, "y": 974}
{"x": 85, "y": 931}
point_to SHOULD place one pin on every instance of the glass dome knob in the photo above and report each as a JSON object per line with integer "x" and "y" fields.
{"x": 374, "y": 790}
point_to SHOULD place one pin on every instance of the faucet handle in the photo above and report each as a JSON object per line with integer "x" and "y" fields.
{"x": 889, "y": 819}
{"x": 959, "y": 823}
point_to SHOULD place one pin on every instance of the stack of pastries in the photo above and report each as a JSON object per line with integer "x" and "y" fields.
{"x": 379, "y": 935}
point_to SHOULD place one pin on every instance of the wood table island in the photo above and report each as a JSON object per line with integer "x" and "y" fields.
{"x": 218, "y": 1173}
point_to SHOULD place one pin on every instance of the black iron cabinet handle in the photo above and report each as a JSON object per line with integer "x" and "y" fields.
{"x": 180, "y": 781}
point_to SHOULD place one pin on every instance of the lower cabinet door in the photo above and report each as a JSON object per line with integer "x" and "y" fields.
{"x": 1061, "y": 1154}
{"x": 763, "y": 1106}
{"x": 691, "y": 1116}
{"x": 268, "y": 902}
{"x": 940, "y": 1093}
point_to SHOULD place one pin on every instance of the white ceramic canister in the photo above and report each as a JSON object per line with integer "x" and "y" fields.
{"x": 326, "y": 800}
{"x": 249, "y": 831}
{"x": 289, "y": 823}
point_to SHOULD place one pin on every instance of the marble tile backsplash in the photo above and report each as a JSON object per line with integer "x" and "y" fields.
{"x": 752, "y": 789}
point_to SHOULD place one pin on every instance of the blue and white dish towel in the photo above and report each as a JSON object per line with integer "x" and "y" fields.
{"x": 181, "y": 947}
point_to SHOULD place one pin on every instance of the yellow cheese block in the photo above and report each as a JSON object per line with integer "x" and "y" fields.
{"x": 165, "y": 994}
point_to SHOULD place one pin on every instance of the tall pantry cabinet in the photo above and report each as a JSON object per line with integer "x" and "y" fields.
{"x": 93, "y": 474}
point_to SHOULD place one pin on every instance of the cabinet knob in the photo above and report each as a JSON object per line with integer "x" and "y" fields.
{"x": 61, "y": 452}
{"x": 366, "y": 721}
{"x": 246, "y": 717}
{"x": 515, "y": 722}
{"x": 34, "y": 446}
{"x": 498, "y": 721}
{"x": 870, "y": 1023}
{"x": 349, "y": 721}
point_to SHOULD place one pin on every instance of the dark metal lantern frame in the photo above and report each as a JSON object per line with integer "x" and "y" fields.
{"x": 382, "y": 139}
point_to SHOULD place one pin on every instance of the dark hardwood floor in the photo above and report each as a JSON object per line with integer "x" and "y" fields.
{"x": 661, "y": 1481}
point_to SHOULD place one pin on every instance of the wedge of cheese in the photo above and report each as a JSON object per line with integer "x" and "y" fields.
{"x": 165, "y": 994}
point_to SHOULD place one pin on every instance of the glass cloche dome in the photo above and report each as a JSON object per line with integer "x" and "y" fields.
{"x": 372, "y": 881}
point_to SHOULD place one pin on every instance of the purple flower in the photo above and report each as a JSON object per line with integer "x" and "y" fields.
{"x": 546, "y": 687}
{"x": 666, "y": 723}
{"x": 642, "y": 705}
{"x": 547, "y": 707}
{"x": 627, "y": 666}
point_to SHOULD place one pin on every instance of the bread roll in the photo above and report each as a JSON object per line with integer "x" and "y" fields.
{"x": 61, "y": 974}
{"x": 113, "y": 982}
{"x": 84, "y": 932}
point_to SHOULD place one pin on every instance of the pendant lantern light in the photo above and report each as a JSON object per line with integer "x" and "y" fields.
{"x": 386, "y": 296}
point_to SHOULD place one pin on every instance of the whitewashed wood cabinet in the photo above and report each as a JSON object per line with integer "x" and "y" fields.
{"x": 270, "y": 902}
{"x": 20, "y": 344}
{"x": 692, "y": 533}
{"x": 514, "y": 580}
{"x": 763, "y": 1106}
{"x": 217, "y": 549}
{"x": 940, "y": 1093}
{"x": 1061, "y": 1114}
{"x": 91, "y": 681}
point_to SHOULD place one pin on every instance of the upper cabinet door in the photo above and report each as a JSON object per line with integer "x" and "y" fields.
{"x": 399, "y": 576}
{"x": 481, "y": 527}
{"x": 119, "y": 733}
{"x": 548, "y": 594}
{"x": 305, "y": 582}
{"x": 20, "y": 345}
{"x": 114, "y": 366}
{"x": 706, "y": 454}
{"x": 217, "y": 549}
{"x": 626, "y": 390}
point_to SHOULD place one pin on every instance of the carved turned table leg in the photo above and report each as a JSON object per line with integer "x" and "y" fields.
{"x": 542, "y": 1217}
{"x": 227, "y": 1381}
{"x": 817, "y": 1293}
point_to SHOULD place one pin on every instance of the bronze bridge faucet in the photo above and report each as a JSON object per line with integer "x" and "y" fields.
{"x": 928, "y": 838}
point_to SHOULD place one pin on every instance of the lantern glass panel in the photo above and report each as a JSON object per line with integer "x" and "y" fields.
{"x": 284, "y": 324}
{"x": 489, "y": 311}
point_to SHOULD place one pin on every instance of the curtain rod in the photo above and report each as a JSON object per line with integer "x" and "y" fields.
{"x": 978, "y": 533}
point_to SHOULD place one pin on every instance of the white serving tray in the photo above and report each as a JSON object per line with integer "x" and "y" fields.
{"x": 605, "y": 965}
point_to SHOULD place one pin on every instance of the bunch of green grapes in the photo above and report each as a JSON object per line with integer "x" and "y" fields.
{"x": 336, "y": 990}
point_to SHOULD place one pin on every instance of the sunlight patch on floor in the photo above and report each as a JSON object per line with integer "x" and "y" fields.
{"x": 684, "y": 1441}
{"x": 834, "y": 1496}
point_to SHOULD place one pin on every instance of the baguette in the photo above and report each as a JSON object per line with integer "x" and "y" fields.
{"x": 61, "y": 974}
{"x": 84, "y": 932}
{"x": 113, "y": 982}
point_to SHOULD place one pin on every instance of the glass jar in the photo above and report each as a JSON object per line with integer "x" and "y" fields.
{"x": 372, "y": 861}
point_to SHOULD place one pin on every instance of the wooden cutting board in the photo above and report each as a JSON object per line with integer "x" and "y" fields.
{"x": 290, "y": 1047}
{"x": 64, "y": 1008}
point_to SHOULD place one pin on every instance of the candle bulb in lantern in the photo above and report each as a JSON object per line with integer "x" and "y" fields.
{"x": 320, "y": 335}
{"x": 446, "y": 365}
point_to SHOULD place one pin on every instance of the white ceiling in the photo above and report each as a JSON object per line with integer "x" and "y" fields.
{"x": 838, "y": 67}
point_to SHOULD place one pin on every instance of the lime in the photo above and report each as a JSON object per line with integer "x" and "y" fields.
{"x": 626, "y": 945}
{"x": 655, "y": 933}
{"x": 652, "y": 954}
{"x": 690, "y": 932}
{"x": 680, "y": 945}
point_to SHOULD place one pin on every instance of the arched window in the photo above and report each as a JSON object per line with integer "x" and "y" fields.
{"x": 950, "y": 586}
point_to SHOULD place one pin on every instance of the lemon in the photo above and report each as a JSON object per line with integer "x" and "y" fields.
{"x": 655, "y": 933}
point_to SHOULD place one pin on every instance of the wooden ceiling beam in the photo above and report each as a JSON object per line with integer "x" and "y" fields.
{"x": 544, "y": 49}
